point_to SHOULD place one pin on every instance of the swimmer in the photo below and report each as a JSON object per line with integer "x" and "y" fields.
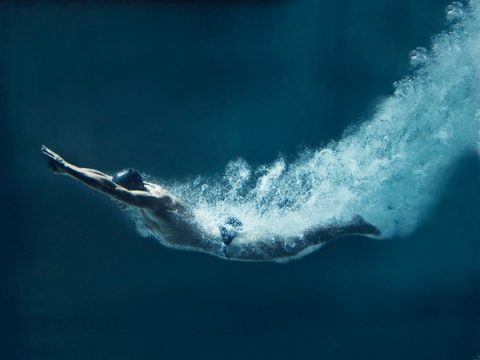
{"x": 175, "y": 225}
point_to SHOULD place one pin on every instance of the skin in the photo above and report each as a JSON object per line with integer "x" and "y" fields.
{"x": 175, "y": 224}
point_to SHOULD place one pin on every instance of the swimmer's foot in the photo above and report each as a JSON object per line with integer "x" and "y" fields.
{"x": 55, "y": 161}
{"x": 363, "y": 227}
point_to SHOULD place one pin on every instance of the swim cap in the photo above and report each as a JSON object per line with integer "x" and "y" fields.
{"x": 129, "y": 179}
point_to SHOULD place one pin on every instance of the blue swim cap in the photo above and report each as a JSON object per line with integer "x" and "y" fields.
{"x": 129, "y": 179}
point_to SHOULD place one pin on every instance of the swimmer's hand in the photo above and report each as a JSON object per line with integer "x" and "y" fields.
{"x": 55, "y": 161}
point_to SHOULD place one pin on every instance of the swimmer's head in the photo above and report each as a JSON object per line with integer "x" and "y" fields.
{"x": 129, "y": 179}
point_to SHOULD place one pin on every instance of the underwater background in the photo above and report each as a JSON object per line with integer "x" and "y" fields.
{"x": 180, "y": 89}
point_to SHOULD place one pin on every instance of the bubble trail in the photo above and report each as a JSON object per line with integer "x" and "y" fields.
{"x": 418, "y": 57}
{"x": 454, "y": 11}
{"x": 387, "y": 169}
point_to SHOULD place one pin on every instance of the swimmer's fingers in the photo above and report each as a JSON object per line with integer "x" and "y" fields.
{"x": 55, "y": 161}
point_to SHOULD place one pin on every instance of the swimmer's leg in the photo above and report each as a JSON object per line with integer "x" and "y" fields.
{"x": 284, "y": 249}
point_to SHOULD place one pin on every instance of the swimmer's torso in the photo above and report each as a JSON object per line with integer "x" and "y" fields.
{"x": 177, "y": 227}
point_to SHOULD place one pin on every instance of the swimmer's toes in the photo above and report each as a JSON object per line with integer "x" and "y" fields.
{"x": 376, "y": 232}
{"x": 372, "y": 230}
{"x": 368, "y": 229}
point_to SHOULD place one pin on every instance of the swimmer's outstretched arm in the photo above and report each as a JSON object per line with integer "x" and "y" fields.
{"x": 103, "y": 183}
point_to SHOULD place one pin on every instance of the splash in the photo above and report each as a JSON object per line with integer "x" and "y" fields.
{"x": 387, "y": 169}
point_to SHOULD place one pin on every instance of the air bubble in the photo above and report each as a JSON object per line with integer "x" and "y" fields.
{"x": 418, "y": 57}
{"x": 454, "y": 11}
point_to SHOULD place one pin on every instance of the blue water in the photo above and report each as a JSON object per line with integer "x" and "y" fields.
{"x": 285, "y": 114}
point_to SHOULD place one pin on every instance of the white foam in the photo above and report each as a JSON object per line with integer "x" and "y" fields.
{"x": 387, "y": 169}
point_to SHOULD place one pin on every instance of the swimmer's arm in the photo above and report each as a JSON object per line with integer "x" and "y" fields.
{"x": 103, "y": 183}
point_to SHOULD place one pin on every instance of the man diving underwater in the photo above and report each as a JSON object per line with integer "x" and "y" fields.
{"x": 175, "y": 225}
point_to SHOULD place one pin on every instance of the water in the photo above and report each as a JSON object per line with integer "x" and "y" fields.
{"x": 388, "y": 168}
{"x": 177, "y": 91}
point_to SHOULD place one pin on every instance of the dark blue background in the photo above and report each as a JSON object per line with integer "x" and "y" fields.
{"x": 179, "y": 89}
